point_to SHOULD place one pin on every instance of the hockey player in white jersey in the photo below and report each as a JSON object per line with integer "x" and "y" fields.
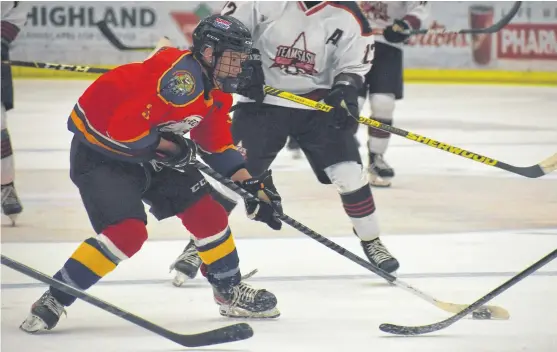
{"x": 384, "y": 83}
{"x": 14, "y": 16}
{"x": 322, "y": 51}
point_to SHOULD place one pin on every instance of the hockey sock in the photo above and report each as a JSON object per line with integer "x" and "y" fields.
{"x": 208, "y": 222}
{"x": 360, "y": 207}
{"x": 382, "y": 108}
{"x": 7, "y": 158}
{"x": 98, "y": 256}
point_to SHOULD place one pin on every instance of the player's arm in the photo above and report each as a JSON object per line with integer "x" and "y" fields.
{"x": 14, "y": 16}
{"x": 416, "y": 13}
{"x": 352, "y": 61}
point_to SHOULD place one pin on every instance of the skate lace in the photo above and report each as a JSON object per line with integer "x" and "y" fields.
{"x": 377, "y": 251}
{"x": 243, "y": 293}
{"x": 53, "y": 305}
{"x": 380, "y": 162}
{"x": 189, "y": 256}
{"x": 8, "y": 196}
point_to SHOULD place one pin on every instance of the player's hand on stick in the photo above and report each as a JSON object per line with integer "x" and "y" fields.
{"x": 344, "y": 99}
{"x": 183, "y": 153}
{"x": 260, "y": 209}
{"x": 397, "y": 32}
{"x": 253, "y": 78}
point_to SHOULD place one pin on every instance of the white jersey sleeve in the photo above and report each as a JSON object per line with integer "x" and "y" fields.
{"x": 416, "y": 13}
{"x": 14, "y": 16}
{"x": 355, "y": 53}
{"x": 244, "y": 11}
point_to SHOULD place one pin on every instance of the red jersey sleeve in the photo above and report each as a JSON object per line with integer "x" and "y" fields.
{"x": 213, "y": 133}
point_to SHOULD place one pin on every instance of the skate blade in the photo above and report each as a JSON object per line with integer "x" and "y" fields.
{"x": 33, "y": 324}
{"x": 378, "y": 181}
{"x": 180, "y": 279}
{"x": 236, "y": 312}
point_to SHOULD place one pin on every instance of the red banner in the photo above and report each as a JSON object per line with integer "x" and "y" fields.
{"x": 528, "y": 41}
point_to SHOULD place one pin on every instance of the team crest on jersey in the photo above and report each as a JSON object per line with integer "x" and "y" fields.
{"x": 181, "y": 127}
{"x": 295, "y": 59}
{"x": 181, "y": 83}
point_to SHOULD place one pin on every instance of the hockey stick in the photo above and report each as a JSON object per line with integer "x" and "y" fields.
{"x": 543, "y": 168}
{"x": 546, "y": 166}
{"x": 231, "y": 333}
{"x": 57, "y": 67}
{"x": 488, "y": 30}
{"x": 424, "y": 329}
{"x": 111, "y": 37}
{"x": 496, "y": 312}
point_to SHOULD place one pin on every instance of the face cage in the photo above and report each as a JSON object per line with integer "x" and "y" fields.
{"x": 229, "y": 71}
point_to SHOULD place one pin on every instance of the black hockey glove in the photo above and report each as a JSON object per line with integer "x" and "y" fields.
{"x": 252, "y": 78}
{"x": 260, "y": 209}
{"x": 395, "y": 33}
{"x": 187, "y": 150}
{"x": 344, "y": 99}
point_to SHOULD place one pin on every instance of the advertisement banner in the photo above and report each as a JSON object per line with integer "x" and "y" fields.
{"x": 65, "y": 32}
{"x": 528, "y": 43}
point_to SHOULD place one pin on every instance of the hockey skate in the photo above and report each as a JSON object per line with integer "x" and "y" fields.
{"x": 44, "y": 315}
{"x": 379, "y": 256}
{"x": 11, "y": 206}
{"x": 379, "y": 172}
{"x": 243, "y": 301}
{"x": 186, "y": 265}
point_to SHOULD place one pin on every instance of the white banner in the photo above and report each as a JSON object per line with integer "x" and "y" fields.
{"x": 65, "y": 32}
{"x": 528, "y": 43}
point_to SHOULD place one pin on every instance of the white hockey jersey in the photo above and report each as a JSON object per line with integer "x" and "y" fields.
{"x": 303, "y": 49}
{"x": 381, "y": 14}
{"x": 14, "y": 16}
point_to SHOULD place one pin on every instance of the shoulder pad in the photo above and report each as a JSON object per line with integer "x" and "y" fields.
{"x": 182, "y": 83}
{"x": 353, "y": 8}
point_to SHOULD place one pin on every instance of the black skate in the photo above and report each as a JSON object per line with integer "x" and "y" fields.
{"x": 186, "y": 265}
{"x": 44, "y": 315}
{"x": 379, "y": 256}
{"x": 243, "y": 301}
{"x": 379, "y": 172}
{"x": 11, "y": 206}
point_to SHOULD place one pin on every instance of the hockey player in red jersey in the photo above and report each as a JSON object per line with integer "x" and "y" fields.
{"x": 128, "y": 144}
{"x": 322, "y": 51}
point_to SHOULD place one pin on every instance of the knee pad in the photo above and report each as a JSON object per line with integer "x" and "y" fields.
{"x": 204, "y": 219}
{"x": 347, "y": 176}
{"x": 382, "y": 106}
{"x": 124, "y": 239}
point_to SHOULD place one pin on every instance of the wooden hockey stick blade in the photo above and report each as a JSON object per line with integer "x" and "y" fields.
{"x": 424, "y": 329}
{"x": 111, "y": 37}
{"x": 231, "y": 333}
{"x": 533, "y": 171}
{"x": 499, "y": 313}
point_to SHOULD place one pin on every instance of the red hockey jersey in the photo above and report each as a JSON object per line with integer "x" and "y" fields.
{"x": 124, "y": 111}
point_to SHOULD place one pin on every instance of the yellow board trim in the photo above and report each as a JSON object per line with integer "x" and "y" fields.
{"x": 93, "y": 259}
{"x": 444, "y": 76}
{"x": 219, "y": 252}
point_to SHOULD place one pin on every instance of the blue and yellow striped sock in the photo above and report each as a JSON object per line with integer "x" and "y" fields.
{"x": 88, "y": 264}
{"x": 220, "y": 256}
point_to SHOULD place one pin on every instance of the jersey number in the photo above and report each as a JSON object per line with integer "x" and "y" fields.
{"x": 229, "y": 8}
{"x": 368, "y": 54}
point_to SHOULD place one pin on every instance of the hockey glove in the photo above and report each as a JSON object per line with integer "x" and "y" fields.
{"x": 397, "y": 32}
{"x": 187, "y": 150}
{"x": 252, "y": 78}
{"x": 344, "y": 99}
{"x": 260, "y": 209}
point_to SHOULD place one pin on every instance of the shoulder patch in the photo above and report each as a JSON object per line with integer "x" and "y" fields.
{"x": 182, "y": 83}
{"x": 353, "y": 8}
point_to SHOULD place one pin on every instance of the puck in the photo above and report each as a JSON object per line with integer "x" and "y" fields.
{"x": 482, "y": 313}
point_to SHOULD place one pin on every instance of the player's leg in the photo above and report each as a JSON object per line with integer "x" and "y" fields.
{"x": 335, "y": 159}
{"x": 188, "y": 196}
{"x": 260, "y": 133}
{"x": 385, "y": 87}
{"x": 11, "y": 205}
{"x": 111, "y": 193}
{"x": 294, "y": 148}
